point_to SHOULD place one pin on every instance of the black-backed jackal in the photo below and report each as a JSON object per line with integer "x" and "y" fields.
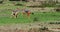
{"x": 15, "y": 13}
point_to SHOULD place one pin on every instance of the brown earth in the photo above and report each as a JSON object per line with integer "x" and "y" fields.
{"x": 30, "y": 27}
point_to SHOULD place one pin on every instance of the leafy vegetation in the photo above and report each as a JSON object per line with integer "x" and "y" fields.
{"x": 6, "y": 9}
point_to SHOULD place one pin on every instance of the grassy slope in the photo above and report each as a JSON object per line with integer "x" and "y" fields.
{"x": 40, "y": 16}
{"x": 5, "y": 15}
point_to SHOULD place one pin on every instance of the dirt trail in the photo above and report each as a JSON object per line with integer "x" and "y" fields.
{"x": 32, "y": 27}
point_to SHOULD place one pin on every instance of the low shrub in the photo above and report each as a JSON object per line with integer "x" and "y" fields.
{"x": 44, "y": 28}
{"x": 57, "y": 10}
{"x": 54, "y": 23}
{"x": 18, "y": 4}
{"x": 1, "y": 2}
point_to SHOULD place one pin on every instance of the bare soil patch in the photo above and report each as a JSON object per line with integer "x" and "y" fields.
{"x": 30, "y": 27}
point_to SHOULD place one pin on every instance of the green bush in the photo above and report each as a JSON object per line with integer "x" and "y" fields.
{"x": 1, "y": 2}
{"x": 57, "y": 10}
{"x": 19, "y": 4}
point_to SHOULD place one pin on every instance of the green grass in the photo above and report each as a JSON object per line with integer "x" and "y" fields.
{"x": 5, "y": 15}
{"x": 42, "y": 17}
